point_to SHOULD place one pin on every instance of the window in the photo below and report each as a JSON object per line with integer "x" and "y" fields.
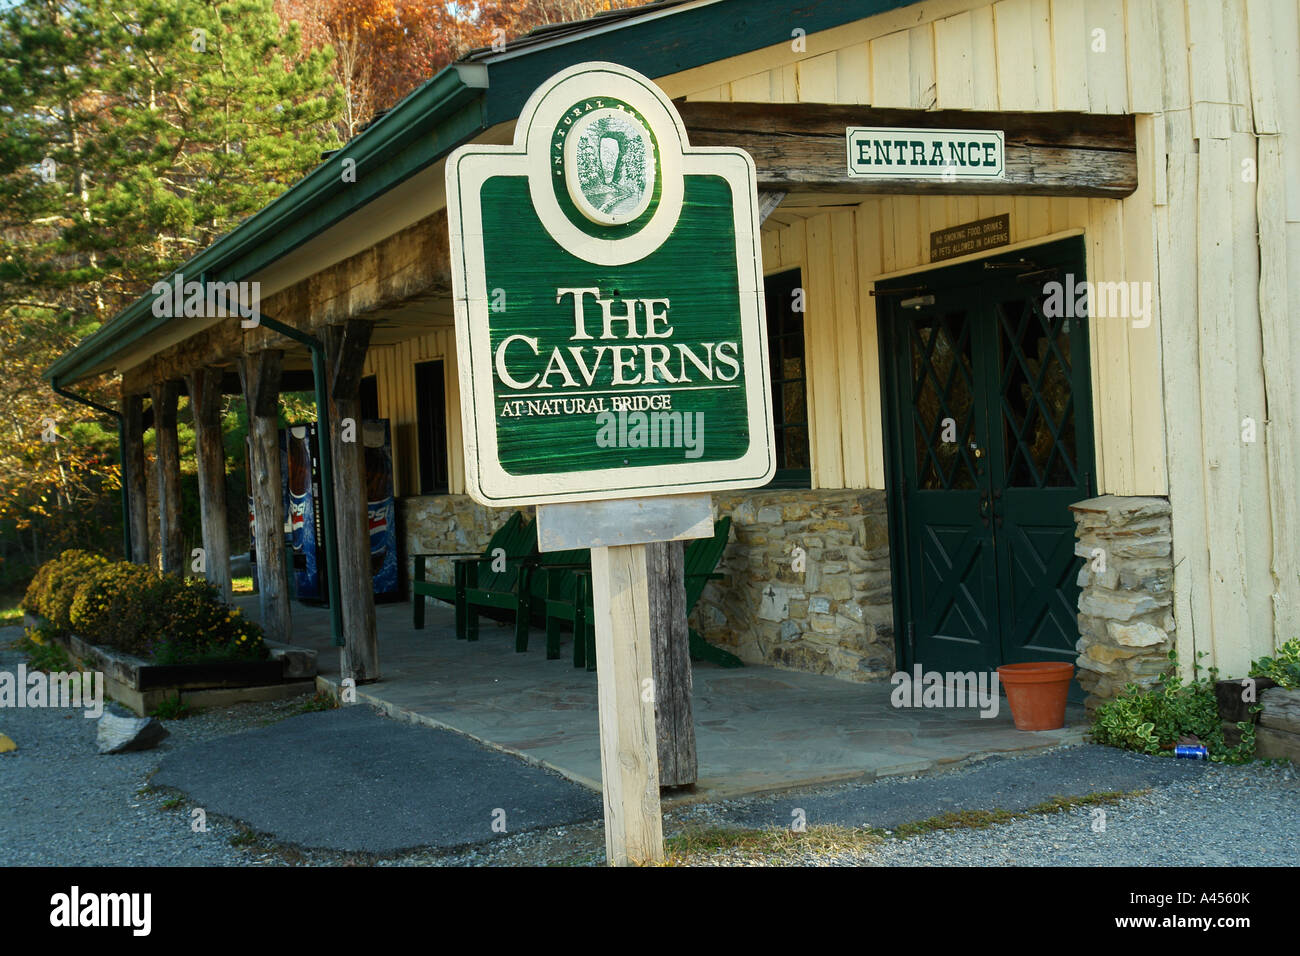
{"x": 431, "y": 423}
{"x": 785, "y": 304}
{"x": 370, "y": 397}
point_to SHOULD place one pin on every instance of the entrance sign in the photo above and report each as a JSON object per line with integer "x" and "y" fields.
{"x": 608, "y": 298}
{"x": 943, "y": 154}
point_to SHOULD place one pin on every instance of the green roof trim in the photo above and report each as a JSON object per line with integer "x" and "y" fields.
{"x": 456, "y": 105}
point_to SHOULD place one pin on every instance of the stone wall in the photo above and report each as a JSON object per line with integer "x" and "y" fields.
{"x": 825, "y": 609}
{"x": 1126, "y": 621}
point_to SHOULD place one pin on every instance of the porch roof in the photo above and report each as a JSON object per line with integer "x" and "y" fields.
{"x": 461, "y": 102}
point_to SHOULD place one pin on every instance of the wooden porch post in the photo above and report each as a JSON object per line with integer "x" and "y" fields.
{"x": 135, "y": 478}
{"x": 163, "y": 396}
{"x": 345, "y": 354}
{"x": 674, "y": 718}
{"x": 210, "y": 450}
{"x": 260, "y": 374}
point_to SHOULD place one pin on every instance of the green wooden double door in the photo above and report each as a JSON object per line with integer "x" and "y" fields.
{"x": 990, "y": 441}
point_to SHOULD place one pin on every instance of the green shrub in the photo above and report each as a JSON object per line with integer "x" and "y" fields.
{"x": 1152, "y": 722}
{"x": 172, "y": 708}
{"x": 43, "y": 654}
{"x": 1284, "y": 669}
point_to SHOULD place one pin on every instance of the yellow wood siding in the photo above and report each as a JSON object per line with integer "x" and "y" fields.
{"x": 843, "y": 253}
{"x": 394, "y": 369}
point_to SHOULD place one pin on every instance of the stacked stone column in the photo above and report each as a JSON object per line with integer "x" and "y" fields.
{"x": 1126, "y": 622}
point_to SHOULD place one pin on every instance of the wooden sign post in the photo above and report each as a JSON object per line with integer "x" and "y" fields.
{"x": 617, "y": 533}
{"x": 613, "y": 363}
{"x": 629, "y": 756}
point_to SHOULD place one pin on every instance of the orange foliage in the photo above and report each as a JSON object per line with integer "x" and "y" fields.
{"x": 386, "y": 48}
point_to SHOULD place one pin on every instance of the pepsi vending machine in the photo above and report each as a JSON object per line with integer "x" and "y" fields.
{"x": 381, "y": 509}
{"x": 303, "y": 491}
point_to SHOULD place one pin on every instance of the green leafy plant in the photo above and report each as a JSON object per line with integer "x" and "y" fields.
{"x": 1153, "y": 722}
{"x": 1283, "y": 668}
{"x": 172, "y": 708}
{"x": 321, "y": 700}
{"x": 42, "y": 653}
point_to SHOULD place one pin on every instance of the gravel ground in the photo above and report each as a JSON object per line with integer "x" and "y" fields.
{"x": 1245, "y": 815}
{"x": 61, "y": 803}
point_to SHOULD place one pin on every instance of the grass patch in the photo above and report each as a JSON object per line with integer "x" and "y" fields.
{"x": 173, "y": 804}
{"x": 980, "y": 819}
{"x": 10, "y": 612}
{"x": 244, "y": 837}
{"x": 242, "y": 585}
{"x": 700, "y": 844}
{"x": 685, "y": 847}
{"x": 43, "y": 654}
{"x": 172, "y": 708}
{"x": 321, "y": 700}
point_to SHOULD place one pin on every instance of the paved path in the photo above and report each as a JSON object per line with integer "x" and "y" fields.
{"x": 757, "y": 728}
{"x": 353, "y": 781}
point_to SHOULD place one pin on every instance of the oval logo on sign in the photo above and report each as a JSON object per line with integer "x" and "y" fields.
{"x": 609, "y": 166}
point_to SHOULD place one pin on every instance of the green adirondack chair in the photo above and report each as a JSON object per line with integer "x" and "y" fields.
{"x": 701, "y": 559}
{"x": 497, "y": 578}
{"x": 558, "y": 594}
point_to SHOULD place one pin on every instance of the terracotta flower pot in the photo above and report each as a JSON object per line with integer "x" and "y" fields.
{"x": 1036, "y": 693}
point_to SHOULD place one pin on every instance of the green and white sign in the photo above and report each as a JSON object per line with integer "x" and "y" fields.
{"x": 608, "y": 298}
{"x": 945, "y": 154}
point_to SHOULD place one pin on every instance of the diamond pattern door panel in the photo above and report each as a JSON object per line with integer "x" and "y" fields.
{"x": 949, "y": 548}
{"x": 1041, "y": 467}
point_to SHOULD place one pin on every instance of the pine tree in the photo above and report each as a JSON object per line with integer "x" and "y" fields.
{"x": 134, "y": 133}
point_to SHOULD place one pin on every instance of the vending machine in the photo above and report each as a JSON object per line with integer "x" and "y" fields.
{"x": 302, "y": 491}
{"x": 381, "y": 509}
{"x": 305, "y": 519}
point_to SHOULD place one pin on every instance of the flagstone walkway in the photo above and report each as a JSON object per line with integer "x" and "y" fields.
{"x": 757, "y": 728}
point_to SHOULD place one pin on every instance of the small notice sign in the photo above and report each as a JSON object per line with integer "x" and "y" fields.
{"x": 970, "y": 237}
{"x": 947, "y": 155}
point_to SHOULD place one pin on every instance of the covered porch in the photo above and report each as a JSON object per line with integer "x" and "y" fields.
{"x": 757, "y": 728}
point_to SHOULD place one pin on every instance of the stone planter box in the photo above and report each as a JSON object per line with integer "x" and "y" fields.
{"x": 142, "y": 686}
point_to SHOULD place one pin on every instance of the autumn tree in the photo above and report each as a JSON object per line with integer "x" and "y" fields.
{"x": 384, "y": 49}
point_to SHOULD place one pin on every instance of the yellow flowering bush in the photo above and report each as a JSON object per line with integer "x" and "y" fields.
{"x": 200, "y": 627}
{"x": 54, "y": 587}
{"x": 167, "y": 618}
{"x": 107, "y": 607}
